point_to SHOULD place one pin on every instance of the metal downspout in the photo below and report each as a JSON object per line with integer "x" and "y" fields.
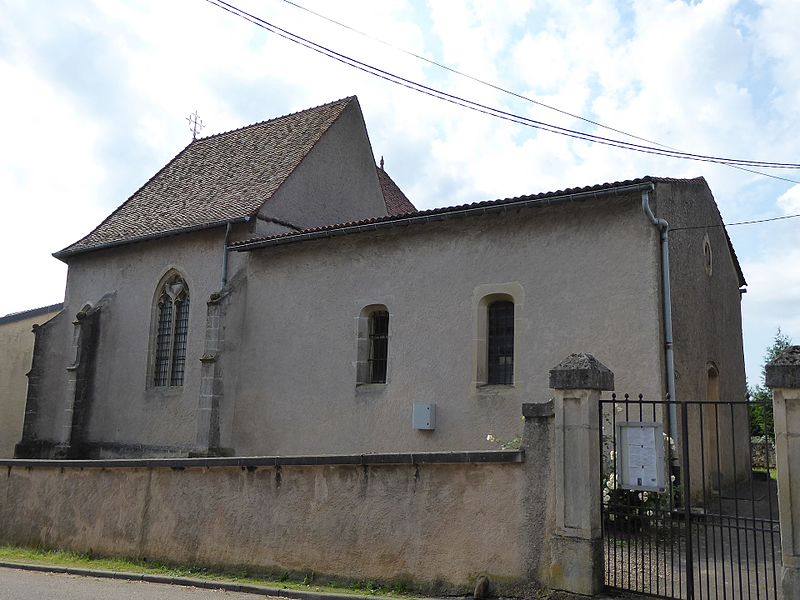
{"x": 666, "y": 304}
{"x": 225, "y": 256}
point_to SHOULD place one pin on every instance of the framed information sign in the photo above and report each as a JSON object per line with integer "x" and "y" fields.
{"x": 640, "y": 456}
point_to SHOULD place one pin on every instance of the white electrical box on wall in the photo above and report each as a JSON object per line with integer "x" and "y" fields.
{"x": 423, "y": 415}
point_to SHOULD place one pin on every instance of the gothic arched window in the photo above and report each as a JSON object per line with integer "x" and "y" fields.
{"x": 172, "y": 328}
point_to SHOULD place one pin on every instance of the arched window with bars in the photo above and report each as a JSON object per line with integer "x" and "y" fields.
{"x": 373, "y": 345}
{"x": 171, "y": 332}
{"x": 498, "y": 308}
{"x": 500, "y": 342}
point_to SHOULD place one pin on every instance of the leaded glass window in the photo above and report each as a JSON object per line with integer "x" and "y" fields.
{"x": 171, "y": 332}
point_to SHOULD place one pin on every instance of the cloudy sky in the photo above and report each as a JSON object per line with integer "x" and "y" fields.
{"x": 94, "y": 96}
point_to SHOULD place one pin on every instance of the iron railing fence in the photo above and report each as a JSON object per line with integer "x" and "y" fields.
{"x": 711, "y": 530}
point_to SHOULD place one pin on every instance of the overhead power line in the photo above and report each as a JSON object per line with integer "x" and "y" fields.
{"x": 499, "y": 88}
{"x": 482, "y": 108}
{"x": 753, "y": 222}
{"x": 455, "y": 71}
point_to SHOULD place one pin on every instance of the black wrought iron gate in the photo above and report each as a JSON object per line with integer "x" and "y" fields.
{"x": 709, "y": 527}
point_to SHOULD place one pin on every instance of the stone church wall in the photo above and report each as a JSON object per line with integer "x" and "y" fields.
{"x": 124, "y": 414}
{"x": 707, "y": 317}
{"x": 582, "y": 276}
{"x": 272, "y": 361}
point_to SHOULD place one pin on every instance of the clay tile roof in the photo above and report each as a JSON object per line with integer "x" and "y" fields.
{"x": 216, "y": 179}
{"x": 449, "y": 211}
{"x": 396, "y": 201}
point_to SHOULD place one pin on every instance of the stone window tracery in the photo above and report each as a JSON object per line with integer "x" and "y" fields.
{"x": 172, "y": 328}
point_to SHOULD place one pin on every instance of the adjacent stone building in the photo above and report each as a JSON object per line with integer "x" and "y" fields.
{"x": 272, "y": 291}
{"x": 16, "y": 341}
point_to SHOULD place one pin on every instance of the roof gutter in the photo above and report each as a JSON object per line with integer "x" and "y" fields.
{"x": 416, "y": 218}
{"x": 666, "y": 307}
{"x": 64, "y": 254}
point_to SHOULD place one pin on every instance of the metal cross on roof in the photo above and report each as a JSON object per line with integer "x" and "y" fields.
{"x": 195, "y": 124}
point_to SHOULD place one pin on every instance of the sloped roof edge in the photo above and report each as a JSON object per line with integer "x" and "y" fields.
{"x": 61, "y": 254}
{"x": 397, "y": 203}
{"x": 84, "y": 244}
{"x": 448, "y": 212}
{"x": 739, "y": 272}
{"x": 480, "y": 208}
{"x": 30, "y": 313}
{"x": 71, "y": 249}
{"x": 346, "y": 100}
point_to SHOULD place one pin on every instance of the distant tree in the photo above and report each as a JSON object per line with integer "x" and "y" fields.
{"x": 761, "y": 420}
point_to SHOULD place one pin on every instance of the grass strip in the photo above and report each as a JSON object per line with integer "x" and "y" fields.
{"x": 62, "y": 558}
{"x": 773, "y": 472}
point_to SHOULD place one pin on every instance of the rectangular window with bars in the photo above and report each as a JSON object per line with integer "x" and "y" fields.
{"x": 500, "y": 343}
{"x": 378, "y": 346}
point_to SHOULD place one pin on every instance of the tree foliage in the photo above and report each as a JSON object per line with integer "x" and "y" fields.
{"x": 761, "y": 419}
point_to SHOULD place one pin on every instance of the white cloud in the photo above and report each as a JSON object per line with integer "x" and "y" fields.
{"x": 49, "y": 177}
{"x": 772, "y": 302}
{"x": 789, "y": 201}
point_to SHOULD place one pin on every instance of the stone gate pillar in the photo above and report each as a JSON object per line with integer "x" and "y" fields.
{"x": 783, "y": 377}
{"x": 577, "y": 555}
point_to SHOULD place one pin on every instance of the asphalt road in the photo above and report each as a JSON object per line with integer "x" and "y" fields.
{"x": 30, "y": 585}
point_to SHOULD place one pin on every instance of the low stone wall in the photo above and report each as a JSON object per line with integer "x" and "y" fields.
{"x": 432, "y": 521}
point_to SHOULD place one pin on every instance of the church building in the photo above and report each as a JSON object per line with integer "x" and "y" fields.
{"x": 271, "y": 291}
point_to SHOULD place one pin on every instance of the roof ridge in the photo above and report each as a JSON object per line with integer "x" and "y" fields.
{"x": 346, "y": 100}
{"x": 673, "y": 179}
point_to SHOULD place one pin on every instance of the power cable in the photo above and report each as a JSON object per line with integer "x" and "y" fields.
{"x": 753, "y": 222}
{"x": 455, "y": 71}
{"x": 478, "y": 107}
{"x": 507, "y": 91}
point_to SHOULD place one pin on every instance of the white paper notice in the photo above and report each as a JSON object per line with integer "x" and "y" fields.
{"x": 641, "y": 455}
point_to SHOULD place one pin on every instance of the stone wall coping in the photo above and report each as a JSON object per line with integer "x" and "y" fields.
{"x": 581, "y": 371}
{"x": 538, "y": 410}
{"x": 415, "y": 458}
{"x": 784, "y": 370}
